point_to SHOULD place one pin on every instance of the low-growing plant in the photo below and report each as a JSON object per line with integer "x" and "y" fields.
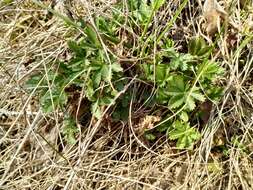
{"x": 181, "y": 81}
{"x": 90, "y": 68}
{"x": 184, "y": 80}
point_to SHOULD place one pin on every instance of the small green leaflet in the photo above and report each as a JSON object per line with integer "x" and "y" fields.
{"x": 92, "y": 36}
{"x": 106, "y": 101}
{"x": 35, "y": 81}
{"x": 184, "y": 134}
{"x": 178, "y": 60}
{"x": 162, "y": 74}
{"x": 116, "y": 67}
{"x": 95, "y": 110}
{"x": 150, "y": 136}
{"x": 181, "y": 93}
{"x": 143, "y": 12}
{"x": 105, "y": 70}
{"x": 89, "y": 92}
{"x": 209, "y": 70}
{"x": 69, "y": 130}
{"x": 181, "y": 62}
{"x": 197, "y": 46}
{"x": 184, "y": 116}
{"x": 74, "y": 47}
{"x": 96, "y": 78}
{"x": 55, "y": 99}
{"x": 192, "y": 96}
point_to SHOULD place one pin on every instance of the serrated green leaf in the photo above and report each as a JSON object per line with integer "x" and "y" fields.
{"x": 184, "y": 116}
{"x": 182, "y": 142}
{"x": 161, "y": 96}
{"x": 190, "y": 103}
{"x": 178, "y": 60}
{"x": 168, "y": 43}
{"x": 184, "y": 59}
{"x": 160, "y": 72}
{"x": 176, "y": 86}
{"x": 171, "y": 52}
{"x": 197, "y": 95}
{"x": 176, "y": 101}
{"x": 97, "y": 78}
{"x": 95, "y": 110}
{"x": 55, "y": 99}
{"x": 184, "y": 134}
{"x": 106, "y": 101}
{"x": 195, "y": 45}
{"x": 116, "y": 67}
{"x": 69, "y": 130}
{"x": 181, "y": 93}
{"x": 89, "y": 92}
{"x": 209, "y": 70}
{"x": 34, "y": 81}
{"x": 92, "y": 36}
{"x": 105, "y": 72}
{"x": 178, "y": 131}
{"x": 193, "y": 95}
{"x": 215, "y": 93}
{"x": 150, "y": 136}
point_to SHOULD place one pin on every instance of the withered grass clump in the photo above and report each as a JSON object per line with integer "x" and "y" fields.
{"x": 124, "y": 146}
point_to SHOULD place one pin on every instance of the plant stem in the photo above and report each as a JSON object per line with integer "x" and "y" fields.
{"x": 172, "y": 21}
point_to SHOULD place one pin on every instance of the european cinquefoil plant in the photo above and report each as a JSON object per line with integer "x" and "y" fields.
{"x": 182, "y": 81}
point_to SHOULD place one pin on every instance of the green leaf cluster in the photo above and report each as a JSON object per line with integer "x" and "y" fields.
{"x": 183, "y": 81}
{"x": 50, "y": 88}
{"x": 90, "y": 68}
{"x": 184, "y": 134}
{"x": 70, "y": 130}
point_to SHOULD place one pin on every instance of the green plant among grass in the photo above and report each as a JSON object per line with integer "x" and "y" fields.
{"x": 181, "y": 81}
{"x": 89, "y": 68}
{"x": 184, "y": 81}
{"x": 69, "y": 130}
{"x": 184, "y": 134}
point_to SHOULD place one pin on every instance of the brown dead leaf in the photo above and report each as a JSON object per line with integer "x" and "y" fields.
{"x": 213, "y": 13}
{"x": 147, "y": 123}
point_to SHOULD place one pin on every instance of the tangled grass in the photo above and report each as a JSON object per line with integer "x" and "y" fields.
{"x": 33, "y": 153}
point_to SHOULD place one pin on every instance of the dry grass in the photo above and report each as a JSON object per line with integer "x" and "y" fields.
{"x": 32, "y": 152}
